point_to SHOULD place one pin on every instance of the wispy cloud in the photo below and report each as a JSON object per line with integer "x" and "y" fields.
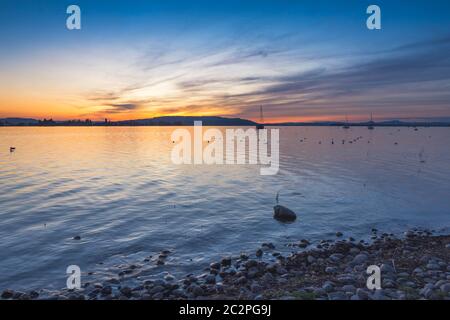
{"x": 121, "y": 107}
{"x": 290, "y": 83}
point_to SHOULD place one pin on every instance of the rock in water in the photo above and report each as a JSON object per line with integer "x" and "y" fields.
{"x": 283, "y": 214}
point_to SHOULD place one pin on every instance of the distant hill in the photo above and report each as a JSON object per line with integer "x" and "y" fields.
{"x": 18, "y": 121}
{"x": 159, "y": 121}
{"x": 188, "y": 121}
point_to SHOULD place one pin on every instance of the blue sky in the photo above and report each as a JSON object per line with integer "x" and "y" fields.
{"x": 302, "y": 60}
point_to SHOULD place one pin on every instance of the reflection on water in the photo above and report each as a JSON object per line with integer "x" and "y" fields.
{"x": 117, "y": 188}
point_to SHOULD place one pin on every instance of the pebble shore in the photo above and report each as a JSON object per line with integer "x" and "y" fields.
{"x": 413, "y": 266}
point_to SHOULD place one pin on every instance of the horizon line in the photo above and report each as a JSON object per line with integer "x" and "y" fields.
{"x": 444, "y": 119}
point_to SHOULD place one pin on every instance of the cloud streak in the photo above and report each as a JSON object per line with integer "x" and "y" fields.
{"x": 289, "y": 83}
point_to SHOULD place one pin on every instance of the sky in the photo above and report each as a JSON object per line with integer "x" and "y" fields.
{"x": 301, "y": 60}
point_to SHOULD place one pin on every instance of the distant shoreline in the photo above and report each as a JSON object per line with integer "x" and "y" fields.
{"x": 206, "y": 121}
{"x": 433, "y": 125}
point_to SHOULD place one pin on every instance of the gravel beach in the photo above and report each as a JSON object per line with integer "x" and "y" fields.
{"x": 413, "y": 266}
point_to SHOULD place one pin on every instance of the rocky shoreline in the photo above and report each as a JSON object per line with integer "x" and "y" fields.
{"x": 413, "y": 266}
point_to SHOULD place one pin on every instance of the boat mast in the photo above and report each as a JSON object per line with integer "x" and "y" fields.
{"x": 261, "y": 116}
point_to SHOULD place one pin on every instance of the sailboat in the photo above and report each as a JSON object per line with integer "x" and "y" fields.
{"x": 371, "y": 127}
{"x": 260, "y": 125}
{"x": 346, "y": 126}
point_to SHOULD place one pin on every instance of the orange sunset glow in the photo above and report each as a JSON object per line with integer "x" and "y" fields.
{"x": 153, "y": 68}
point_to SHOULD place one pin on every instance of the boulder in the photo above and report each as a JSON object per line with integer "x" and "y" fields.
{"x": 283, "y": 214}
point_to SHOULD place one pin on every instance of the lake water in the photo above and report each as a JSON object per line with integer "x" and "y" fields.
{"x": 117, "y": 188}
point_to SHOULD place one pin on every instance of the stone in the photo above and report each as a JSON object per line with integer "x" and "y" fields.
{"x": 252, "y": 273}
{"x": 331, "y": 270}
{"x": 347, "y": 278}
{"x": 214, "y": 271}
{"x": 287, "y": 298}
{"x": 445, "y": 288}
{"x": 255, "y": 288}
{"x": 418, "y": 270}
{"x": 362, "y": 294}
{"x": 433, "y": 266}
{"x": 360, "y": 259}
{"x": 243, "y": 256}
{"x": 77, "y": 238}
{"x": 439, "y": 283}
{"x": 250, "y": 264}
{"x": 267, "y": 277}
{"x": 159, "y": 282}
{"x": 226, "y": 262}
{"x": 197, "y": 290}
{"x": 409, "y": 234}
{"x": 169, "y": 277}
{"x": 7, "y": 294}
{"x": 281, "y": 270}
{"x": 160, "y": 262}
{"x": 34, "y": 294}
{"x": 387, "y": 268}
{"x": 106, "y": 290}
{"x": 269, "y": 245}
{"x": 349, "y": 288}
{"x": 319, "y": 292}
{"x": 336, "y": 257}
{"x": 378, "y": 295}
{"x": 158, "y": 296}
{"x": 155, "y": 289}
{"x": 138, "y": 288}
{"x": 339, "y": 234}
{"x": 210, "y": 279}
{"x": 427, "y": 290}
{"x": 98, "y": 285}
{"x": 337, "y": 296}
{"x": 241, "y": 280}
{"x": 259, "y": 253}
{"x": 328, "y": 286}
{"x": 427, "y": 293}
{"x": 126, "y": 291}
{"x": 215, "y": 265}
{"x": 388, "y": 283}
{"x": 284, "y": 214}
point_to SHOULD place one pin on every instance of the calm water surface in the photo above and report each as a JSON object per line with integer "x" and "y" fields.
{"x": 118, "y": 189}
